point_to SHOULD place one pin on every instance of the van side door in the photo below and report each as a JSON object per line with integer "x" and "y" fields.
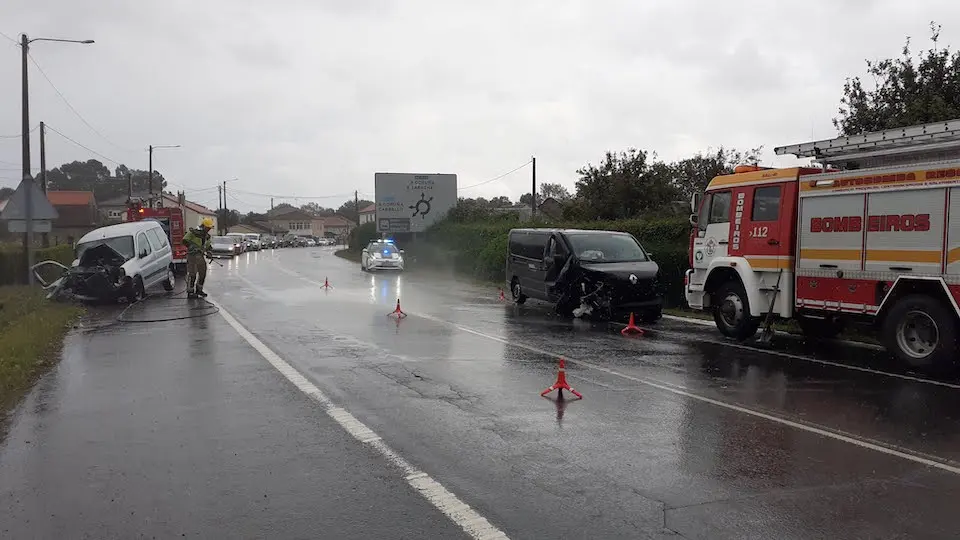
{"x": 555, "y": 257}
{"x": 145, "y": 260}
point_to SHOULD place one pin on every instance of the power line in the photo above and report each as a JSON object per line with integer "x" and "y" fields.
{"x": 94, "y": 152}
{"x": 15, "y": 42}
{"x": 495, "y": 177}
{"x": 64, "y": 98}
{"x": 17, "y": 136}
{"x": 235, "y": 190}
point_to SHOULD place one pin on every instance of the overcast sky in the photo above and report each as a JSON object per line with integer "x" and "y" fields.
{"x": 309, "y": 98}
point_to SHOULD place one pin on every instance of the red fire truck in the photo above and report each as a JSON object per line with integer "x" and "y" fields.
{"x": 871, "y": 236}
{"x": 171, "y": 219}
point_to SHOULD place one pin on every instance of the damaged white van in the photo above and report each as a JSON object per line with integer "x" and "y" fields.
{"x": 120, "y": 262}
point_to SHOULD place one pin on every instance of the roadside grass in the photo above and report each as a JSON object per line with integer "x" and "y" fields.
{"x": 31, "y": 334}
{"x": 348, "y": 254}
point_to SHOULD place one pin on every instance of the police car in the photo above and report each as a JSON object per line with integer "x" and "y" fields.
{"x": 381, "y": 255}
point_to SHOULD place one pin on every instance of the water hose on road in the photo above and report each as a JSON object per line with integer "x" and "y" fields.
{"x": 208, "y": 309}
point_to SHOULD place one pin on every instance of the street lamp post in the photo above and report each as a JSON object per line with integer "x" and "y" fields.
{"x": 25, "y": 42}
{"x": 150, "y": 181}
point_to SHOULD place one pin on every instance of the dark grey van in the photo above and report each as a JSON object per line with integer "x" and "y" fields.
{"x": 584, "y": 272}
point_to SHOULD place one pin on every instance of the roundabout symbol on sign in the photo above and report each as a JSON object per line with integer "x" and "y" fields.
{"x": 423, "y": 202}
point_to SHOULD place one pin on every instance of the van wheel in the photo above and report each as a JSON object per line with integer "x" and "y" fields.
{"x": 921, "y": 332}
{"x": 169, "y": 282}
{"x": 517, "y": 292}
{"x": 731, "y": 312}
{"x": 137, "y": 291}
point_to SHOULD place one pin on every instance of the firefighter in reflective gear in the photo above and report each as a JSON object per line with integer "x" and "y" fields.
{"x": 198, "y": 248}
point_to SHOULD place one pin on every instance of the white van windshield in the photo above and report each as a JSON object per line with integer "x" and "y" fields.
{"x": 121, "y": 244}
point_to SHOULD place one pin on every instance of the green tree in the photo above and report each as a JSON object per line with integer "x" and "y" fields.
{"x": 228, "y": 218}
{"x": 315, "y": 209}
{"x": 556, "y": 191}
{"x": 907, "y": 91}
{"x": 92, "y": 175}
{"x": 349, "y": 208}
{"x": 624, "y": 185}
{"x": 692, "y": 175}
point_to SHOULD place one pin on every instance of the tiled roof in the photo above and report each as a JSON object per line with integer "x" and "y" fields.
{"x": 369, "y": 210}
{"x": 71, "y": 198}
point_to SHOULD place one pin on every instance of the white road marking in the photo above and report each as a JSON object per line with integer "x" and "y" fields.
{"x": 791, "y": 356}
{"x": 733, "y": 345}
{"x": 678, "y": 389}
{"x": 456, "y": 510}
{"x": 683, "y": 391}
{"x": 704, "y": 322}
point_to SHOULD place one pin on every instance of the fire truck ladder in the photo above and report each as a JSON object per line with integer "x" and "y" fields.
{"x": 899, "y": 146}
{"x": 767, "y": 334}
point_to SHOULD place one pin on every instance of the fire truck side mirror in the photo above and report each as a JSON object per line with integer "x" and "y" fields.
{"x": 694, "y": 219}
{"x": 695, "y": 202}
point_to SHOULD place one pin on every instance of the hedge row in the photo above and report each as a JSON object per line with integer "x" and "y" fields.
{"x": 479, "y": 250}
{"x": 13, "y": 267}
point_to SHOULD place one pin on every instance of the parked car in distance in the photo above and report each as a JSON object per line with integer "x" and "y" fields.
{"x": 122, "y": 261}
{"x": 239, "y": 240}
{"x": 268, "y": 242}
{"x": 253, "y": 239}
{"x": 381, "y": 255}
{"x": 310, "y": 242}
{"x": 224, "y": 246}
{"x": 584, "y": 272}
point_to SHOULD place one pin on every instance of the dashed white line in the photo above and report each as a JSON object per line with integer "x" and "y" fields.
{"x": 683, "y": 391}
{"x": 474, "y": 524}
{"x": 739, "y": 346}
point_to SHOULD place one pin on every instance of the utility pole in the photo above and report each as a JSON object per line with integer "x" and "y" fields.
{"x": 220, "y": 209}
{"x": 226, "y": 213}
{"x": 533, "y": 190}
{"x": 356, "y": 204}
{"x": 150, "y": 178}
{"x": 129, "y": 188}
{"x": 271, "y": 217}
{"x": 43, "y": 158}
{"x": 25, "y": 158}
{"x": 25, "y": 138}
{"x": 45, "y": 237}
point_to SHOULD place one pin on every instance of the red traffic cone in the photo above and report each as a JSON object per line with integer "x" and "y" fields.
{"x": 561, "y": 383}
{"x": 632, "y": 327}
{"x": 326, "y": 283}
{"x": 502, "y": 298}
{"x": 397, "y": 312}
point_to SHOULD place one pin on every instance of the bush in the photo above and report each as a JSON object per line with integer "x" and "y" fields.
{"x": 363, "y": 235}
{"x": 479, "y": 249}
{"x": 13, "y": 267}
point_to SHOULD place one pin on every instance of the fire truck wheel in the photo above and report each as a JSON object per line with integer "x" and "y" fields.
{"x": 921, "y": 332}
{"x": 731, "y": 312}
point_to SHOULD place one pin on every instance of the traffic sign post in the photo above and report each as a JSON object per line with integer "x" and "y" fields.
{"x": 27, "y": 205}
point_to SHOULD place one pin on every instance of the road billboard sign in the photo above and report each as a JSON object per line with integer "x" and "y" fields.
{"x": 408, "y": 202}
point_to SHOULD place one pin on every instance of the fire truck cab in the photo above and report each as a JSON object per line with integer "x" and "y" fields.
{"x": 171, "y": 219}
{"x": 871, "y": 236}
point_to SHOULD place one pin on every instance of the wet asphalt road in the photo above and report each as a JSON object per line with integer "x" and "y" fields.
{"x": 182, "y": 428}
